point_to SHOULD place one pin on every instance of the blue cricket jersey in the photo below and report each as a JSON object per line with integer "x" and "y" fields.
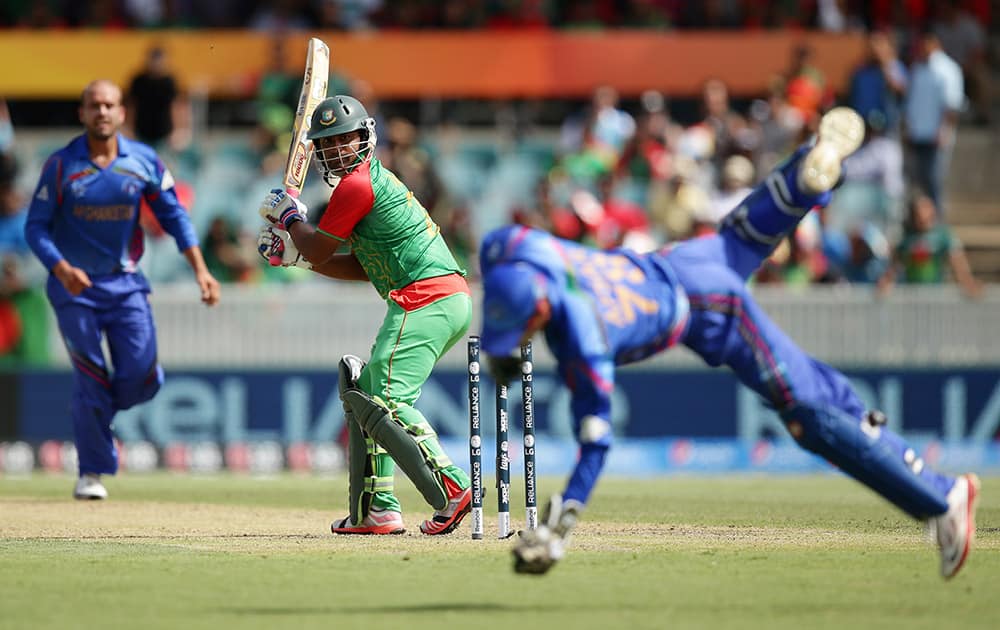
{"x": 90, "y": 216}
{"x": 608, "y": 308}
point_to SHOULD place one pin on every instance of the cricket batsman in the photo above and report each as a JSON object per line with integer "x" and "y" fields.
{"x": 603, "y": 309}
{"x": 396, "y": 246}
{"x": 83, "y": 224}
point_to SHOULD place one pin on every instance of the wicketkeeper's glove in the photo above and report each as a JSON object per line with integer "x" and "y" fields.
{"x": 275, "y": 242}
{"x": 503, "y": 369}
{"x": 281, "y": 209}
{"x": 538, "y": 550}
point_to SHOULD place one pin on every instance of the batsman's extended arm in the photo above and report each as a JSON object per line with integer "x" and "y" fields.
{"x": 315, "y": 246}
{"x": 342, "y": 267}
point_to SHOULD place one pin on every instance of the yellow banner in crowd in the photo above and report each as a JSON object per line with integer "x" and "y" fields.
{"x": 483, "y": 64}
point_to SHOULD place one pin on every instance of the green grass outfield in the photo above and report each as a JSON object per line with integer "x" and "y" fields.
{"x": 711, "y": 552}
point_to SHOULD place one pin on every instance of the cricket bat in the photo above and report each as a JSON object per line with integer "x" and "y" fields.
{"x": 314, "y": 85}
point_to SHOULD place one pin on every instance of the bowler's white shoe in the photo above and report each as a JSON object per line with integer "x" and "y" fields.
{"x": 841, "y": 131}
{"x": 89, "y": 486}
{"x": 956, "y": 528}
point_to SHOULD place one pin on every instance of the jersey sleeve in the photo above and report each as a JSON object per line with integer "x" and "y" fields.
{"x": 585, "y": 361}
{"x": 41, "y": 212}
{"x": 951, "y": 241}
{"x": 351, "y": 200}
{"x": 162, "y": 199}
{"x": 954, "y": 89}
{"x": 591, "y": 382}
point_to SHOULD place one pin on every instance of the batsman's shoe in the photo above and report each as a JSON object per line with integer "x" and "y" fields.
{"x": 841, "y": 131}
{"x": 377, "y": 522}
{"x": 89, "y": 487}
{"x": 538, "y": 550}
{"x": 459, "y": 504}
{"x": 956, "y": 528}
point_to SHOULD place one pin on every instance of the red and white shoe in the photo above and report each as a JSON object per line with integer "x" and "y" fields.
{"x": 956, "y": 528}
{"x": 377, "y": 522}
{"x": 445, "y": 521}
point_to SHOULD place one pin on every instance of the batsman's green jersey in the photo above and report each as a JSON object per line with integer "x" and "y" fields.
{"x": 428, "y": 299}
{"x": 388, "y": 230}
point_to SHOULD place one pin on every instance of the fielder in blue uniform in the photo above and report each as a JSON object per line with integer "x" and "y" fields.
{"x": 83, "y": 224}
{"x": 600, "y": 309}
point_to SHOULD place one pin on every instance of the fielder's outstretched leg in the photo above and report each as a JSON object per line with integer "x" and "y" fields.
{"x": 775, "y": 207}
{"x": 818, "y": 405}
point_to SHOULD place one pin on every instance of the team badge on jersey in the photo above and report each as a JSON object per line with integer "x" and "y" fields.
{"x": 494, "y": 251}
{"x": 131, "y": 187}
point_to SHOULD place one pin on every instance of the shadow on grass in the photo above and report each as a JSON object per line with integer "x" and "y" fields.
{"x": 407, "y": 609}
{"x": 383, "y": 608}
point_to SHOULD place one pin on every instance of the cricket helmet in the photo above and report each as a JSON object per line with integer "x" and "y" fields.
{"x": 511, "y": 292}
{"x": 334, "y": 117}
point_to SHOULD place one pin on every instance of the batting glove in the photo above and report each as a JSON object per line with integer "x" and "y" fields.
{"x": 281, "y": 209}
{"x": 274, "y": 242}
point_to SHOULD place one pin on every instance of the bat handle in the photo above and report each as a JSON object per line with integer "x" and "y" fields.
{"x": 276, "y": 252}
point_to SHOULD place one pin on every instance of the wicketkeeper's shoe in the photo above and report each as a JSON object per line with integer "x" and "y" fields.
{"x": 841, "y": 131}
{"x": 956, "y": 528}
{"x": 89, "y": 487}
{"x": 459, "y": 504}
{"x": 377, "y": 522}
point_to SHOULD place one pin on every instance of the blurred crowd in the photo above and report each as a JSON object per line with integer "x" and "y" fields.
{"x": 354, "y": 15}
{"x": 618, "y": 172}
{"x": 23, "y": 308}
{"x": 640, "y": 179}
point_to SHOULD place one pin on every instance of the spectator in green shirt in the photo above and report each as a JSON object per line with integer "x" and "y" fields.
{"x": 927, "y": 250}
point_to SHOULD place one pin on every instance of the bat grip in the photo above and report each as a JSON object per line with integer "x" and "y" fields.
{"x": 279, "y": 249}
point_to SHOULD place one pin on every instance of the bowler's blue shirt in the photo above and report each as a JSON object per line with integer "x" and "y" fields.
{"x": 89, "y": 216}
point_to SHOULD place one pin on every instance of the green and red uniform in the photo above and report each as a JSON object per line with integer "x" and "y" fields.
{"x": 429, "y": 303}
{"x": 925, "y": 254}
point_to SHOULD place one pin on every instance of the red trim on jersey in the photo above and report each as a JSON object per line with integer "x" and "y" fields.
{"x": 351, "y": 200}
{"x": 77, "y": 175}
{"x": 59, "y": 194}
{"x": 423, "y": 292}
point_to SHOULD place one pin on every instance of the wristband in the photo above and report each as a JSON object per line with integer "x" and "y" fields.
{"x": 290, "y": 217}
